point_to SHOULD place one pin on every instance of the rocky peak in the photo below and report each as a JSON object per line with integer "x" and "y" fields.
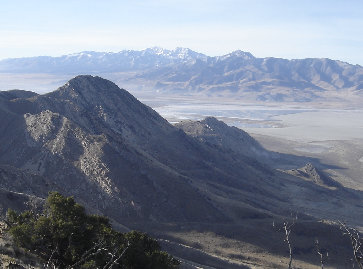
{"x": 238, "y": 54}
{"x": 85, "y": 85}
{"x": 95, "y": 94}
{"x": 312, "y": 173}
{"x": 213, "y": 120}
{"x": 100, "y": 106}
{"x": 214, "y": 123}
{"x": 178, "y": 53}
{"x": 242, "y": 54}
{"x": 311, "y": 170}
{"x": 215, "y": 132}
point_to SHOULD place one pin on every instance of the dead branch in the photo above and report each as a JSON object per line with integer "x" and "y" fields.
{"x": 96, "y": 249}
{"x": 320, "y": 253}
{"x": 287, "y": 228}
{"x": 109, "y": 265}
{"x": 50, "y": 260}
{"x": 356, "y": 242}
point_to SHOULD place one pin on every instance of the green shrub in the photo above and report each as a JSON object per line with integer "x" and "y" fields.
{"x": 68, "y": 237}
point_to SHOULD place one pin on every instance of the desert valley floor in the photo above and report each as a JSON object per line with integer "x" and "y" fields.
{"x": 334, "y": 136}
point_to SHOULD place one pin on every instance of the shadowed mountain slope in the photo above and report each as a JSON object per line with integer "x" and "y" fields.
{"x": 14, "y": 94}
{"x": 215, "y": 132}
{"x": 95, "y": 140}
{"x": 118, "y": 157}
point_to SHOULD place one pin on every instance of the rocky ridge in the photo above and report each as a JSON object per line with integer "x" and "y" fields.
{"x": 232, "y": 139}
{"x": 95, "y": 141}
{"x": 311, "y": 173}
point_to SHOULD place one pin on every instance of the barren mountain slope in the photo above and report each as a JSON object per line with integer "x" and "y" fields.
{"x": 117, "y": 156}
{"x": 95, "y": 140}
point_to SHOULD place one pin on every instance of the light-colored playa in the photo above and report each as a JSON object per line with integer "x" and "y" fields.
{"x": 319, "y": 125}
{"x": 332, "y": 136}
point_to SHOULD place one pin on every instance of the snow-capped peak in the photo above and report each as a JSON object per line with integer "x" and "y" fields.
{"x": 239, "y": 54}
{"x": 157, "y": 51}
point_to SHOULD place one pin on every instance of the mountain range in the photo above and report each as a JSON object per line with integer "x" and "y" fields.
{"x": 94, "y": 139}
{"x": 118, "y": 157}
{"x": 237, "y": 75}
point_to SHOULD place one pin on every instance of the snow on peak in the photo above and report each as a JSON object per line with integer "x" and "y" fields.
{"x": 86, "y": 54}
{"x": 182, "y": 52}
{"x": 239, "y": 54}
{"x": 158, "y": 51}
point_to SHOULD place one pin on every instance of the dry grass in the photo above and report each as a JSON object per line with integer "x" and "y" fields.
{"x": 253, "y": 243}
{"x": 14, "y": 257}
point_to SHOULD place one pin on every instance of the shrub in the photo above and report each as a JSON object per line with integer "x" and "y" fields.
{"x": 65, "y": 236}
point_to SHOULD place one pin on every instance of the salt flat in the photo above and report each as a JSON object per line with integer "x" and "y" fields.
{"x": 294, "y": 122}
{"x": 318, "y": 125}
{"x": 332, "y": 136}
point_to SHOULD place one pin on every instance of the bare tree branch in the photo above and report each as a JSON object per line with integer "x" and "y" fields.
{"x": 114, "y": 259}
{"x": 119, "y": 257}
{"x": 287, "y": 228}
{"x": 320, "y": 253}
{"x": 356, "y": 242}
{"x": 96, "y": 249}
{"x": 50, "y": 260}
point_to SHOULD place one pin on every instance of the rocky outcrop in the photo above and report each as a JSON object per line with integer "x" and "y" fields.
{"x": 317, "y": 176}
{"x": 311, "y": 173}
{"x": 214, "y": 132}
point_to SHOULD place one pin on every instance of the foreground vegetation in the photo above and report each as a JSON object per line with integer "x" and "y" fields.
{"x": 64, "y": 236}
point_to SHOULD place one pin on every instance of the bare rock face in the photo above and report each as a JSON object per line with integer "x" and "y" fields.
{"x": 215, "y": 132}
{"x": 311, "y": 173}
{"x": 317, "y": 176}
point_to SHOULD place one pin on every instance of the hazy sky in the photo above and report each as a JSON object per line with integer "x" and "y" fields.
{"x": 278, "y": 28}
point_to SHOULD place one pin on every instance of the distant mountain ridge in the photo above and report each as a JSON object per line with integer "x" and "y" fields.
{"x": 183, "y": 71}
{"x": 91, "y": 61}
